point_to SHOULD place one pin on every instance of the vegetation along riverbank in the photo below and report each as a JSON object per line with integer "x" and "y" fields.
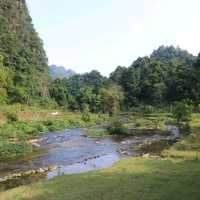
{"x": 143, "y": 178}
{"x": 132, "y": 135}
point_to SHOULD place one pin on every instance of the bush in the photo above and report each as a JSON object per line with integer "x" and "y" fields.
{"x": 26, "y": 129}
{"x": 12, "y": 117}
{"x": 182, "y": 112}
{"x": 86, "y": 115}
{"x": 148, "y": 109}
{"x": 8, "y": 150}
{"x": 117, "y": 128}
{"x": 8, "y": 131}
{"x": 40, "y": 127}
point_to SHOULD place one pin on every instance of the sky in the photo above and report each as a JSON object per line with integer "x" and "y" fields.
{"x": 103, "y": 34}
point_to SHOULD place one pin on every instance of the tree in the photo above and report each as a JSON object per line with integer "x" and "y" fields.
{"x": 111, "y": 99}
{"x": 59, "y": 93}
{"x": 117, "y": 75}
{"x": 182, "y": 112}
{"x": 86, "y": 117}
{"x": 195, "y": 81}
{"x": 5, "y": 81}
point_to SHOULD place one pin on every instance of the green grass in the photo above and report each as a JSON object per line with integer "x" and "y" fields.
{"x": 21, "y": 126}
{"x": 131, "y": 179}
{"x": 148, "y": 124}
{"x": 189, "y": 146}
{"x": 189, "y": 155}
{"x": 96, "y": 133}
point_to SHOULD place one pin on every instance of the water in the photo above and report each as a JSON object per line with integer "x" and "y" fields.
{"x": 72, "y": 152}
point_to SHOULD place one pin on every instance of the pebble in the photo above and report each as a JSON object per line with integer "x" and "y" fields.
{"x": 28, "y": 173}
{"x": 146, "y": 155}
{"x": 2, "y": 179}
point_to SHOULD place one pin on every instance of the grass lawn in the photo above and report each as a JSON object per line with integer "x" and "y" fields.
{"x": 131, "y": 179}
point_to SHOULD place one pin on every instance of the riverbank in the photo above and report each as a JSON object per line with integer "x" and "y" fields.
{"x": 163, "y": 178}
{"x": 134, "y": 178}
{"x": 19, "y": 128}
{"x": 189, "y": 146}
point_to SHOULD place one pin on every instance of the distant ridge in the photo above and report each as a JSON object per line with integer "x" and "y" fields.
{"x": 60, "y": 72}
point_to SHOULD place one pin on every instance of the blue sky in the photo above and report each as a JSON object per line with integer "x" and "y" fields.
{"x": 102, "y": 34}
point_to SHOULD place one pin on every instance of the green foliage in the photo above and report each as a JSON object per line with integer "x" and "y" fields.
{"x": 8, "y": 131}
{"x": 170, "y": 74}
{"x": 11, "y": 117}
{"x": 148, "y": 109}
{"x": 117, "y": 128}
{"x": 117, "y": 75}
{"x": 86, "y": 114}
{"x": 182, "y": 112}
{"x": 59, "y": 92}
{"x": 111, "y": 99}
{"x": 97, "y": 133}
{"x": 75, "y": 92}
{"x": 134, "y": 178}
{"x": 13, "y": 150}
{"x": 21, "y": 54}
{"x": 16, "y": 132}
{"x": 166, "y": 76}
{"x": 169, "y": 53}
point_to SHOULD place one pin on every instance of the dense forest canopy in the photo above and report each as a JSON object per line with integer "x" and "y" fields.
{"x": 169, "y": 74}
{"x": 166, "y": 76}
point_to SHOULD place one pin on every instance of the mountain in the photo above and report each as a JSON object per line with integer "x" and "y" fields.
{"x": 22, "y": 55}
{"x": 60, "y": 72}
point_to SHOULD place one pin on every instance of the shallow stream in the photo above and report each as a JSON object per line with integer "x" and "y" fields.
{"x": 72, "y": 152}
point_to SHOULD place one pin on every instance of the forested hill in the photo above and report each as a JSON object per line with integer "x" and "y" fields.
{"x": 169, "y": 74}
{"x": 60, "y": 72}
{"x": 23, "y": 62}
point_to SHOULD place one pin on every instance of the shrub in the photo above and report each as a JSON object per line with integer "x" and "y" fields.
{"x": 26, "y": 129}
{"x": 8, "y": 131}
{"x": 182, "y": 112}
{"x": 40, "y": 127}
{"x": 12, "y": 117}
{"x": 8, "y": 150}
{"x": 148, "y": 109}
{"x": 86, "y": 115}
{"x": 117, "y": 128}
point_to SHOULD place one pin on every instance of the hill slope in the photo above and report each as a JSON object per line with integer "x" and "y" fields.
{"x": 21, "y": 52}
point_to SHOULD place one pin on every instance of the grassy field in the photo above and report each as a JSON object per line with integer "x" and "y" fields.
{"x": 131, "y": 179}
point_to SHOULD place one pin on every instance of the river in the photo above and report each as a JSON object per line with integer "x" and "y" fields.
{"x": 71, "y": 152}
